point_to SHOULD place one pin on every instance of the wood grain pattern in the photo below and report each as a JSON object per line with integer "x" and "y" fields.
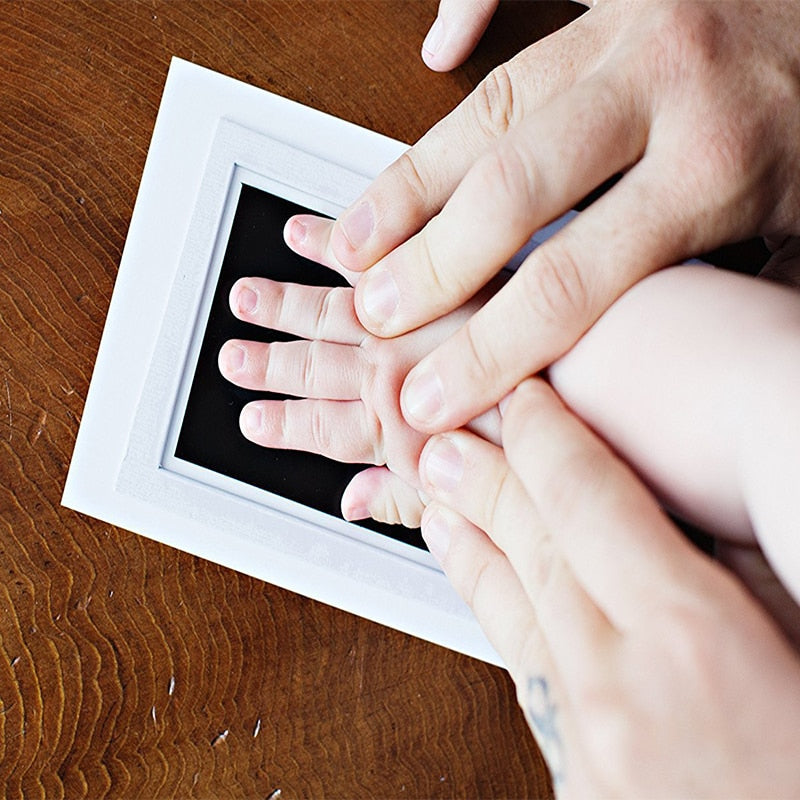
{"x": 128, "y": 669}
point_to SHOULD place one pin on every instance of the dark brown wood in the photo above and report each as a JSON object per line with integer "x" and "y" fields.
{"x": 128, "y": 669}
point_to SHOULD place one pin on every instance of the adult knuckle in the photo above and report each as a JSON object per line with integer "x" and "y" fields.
{"x": 408, "y": 171}
{"x": 712, "y": 168}
{"x": 443, "y": 285}
{"x": 511, "y": 178}
{"x": 494, "y": 104}
{"x": 724, "y": 152}
{"x": 482, "y": 352}
{"x": 736, "y": 151}
{"x": 555, "y": 286}
{"x": 690, "y": 46}
{"x": 495, "y": 499}
{"x": 479, "y": 580}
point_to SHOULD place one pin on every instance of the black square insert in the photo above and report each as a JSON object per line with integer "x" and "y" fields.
{"x": 209, "y": 434}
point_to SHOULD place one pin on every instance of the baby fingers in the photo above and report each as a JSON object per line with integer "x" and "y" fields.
{"x": 331, "y": 428}
{"x": 378, "y": 493}
{"x": 303, "y": 369}
{"x": 311, "y": 312}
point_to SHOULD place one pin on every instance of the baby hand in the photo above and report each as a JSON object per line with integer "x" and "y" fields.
{"x": 347, "y": 382}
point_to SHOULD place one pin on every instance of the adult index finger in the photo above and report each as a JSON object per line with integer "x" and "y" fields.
{"x": 532, "y": 176}
{"x": 483, "y": 490}
{"x": 416, "y": 186}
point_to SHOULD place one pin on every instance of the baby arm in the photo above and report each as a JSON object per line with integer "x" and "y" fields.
{"x": 694, "y": 377}
{"x": 689, "y": 376}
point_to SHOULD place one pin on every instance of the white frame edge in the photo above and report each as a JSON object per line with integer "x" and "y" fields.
{"x": 210, "y": 132}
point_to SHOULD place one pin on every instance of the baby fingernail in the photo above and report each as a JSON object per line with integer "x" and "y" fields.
{"x": 250, "y": 419}
{"x": 380, "y": 297}
{"x": 355, "y": 512}
{"x": 296, "y": 232}
{"x": 442, "y": 465}
{"x": 246, "y": 301}
{"x": 436, "y": 533}
{"x": 233, "y": 357}
{"x": 357, "y": 225}
{"x": 435, "y": 38}
{"x": 423, "y": 397}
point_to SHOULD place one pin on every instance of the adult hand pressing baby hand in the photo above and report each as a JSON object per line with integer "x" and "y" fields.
{"x": 347, "y": 384}
{"x": 644, "y": 668}
{"x": 695, "y": 104}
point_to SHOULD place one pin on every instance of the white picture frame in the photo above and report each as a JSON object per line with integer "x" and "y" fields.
{"x": 213, "y": 133}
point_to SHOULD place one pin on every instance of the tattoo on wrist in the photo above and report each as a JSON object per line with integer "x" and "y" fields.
{"x": 541, "y": 713}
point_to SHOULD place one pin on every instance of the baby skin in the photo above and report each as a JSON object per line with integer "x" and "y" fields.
{"x": 692, "y": 377}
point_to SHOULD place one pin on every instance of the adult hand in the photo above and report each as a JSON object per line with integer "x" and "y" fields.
{"x": 644, "y": 668}
{"x": 695, "y": 103}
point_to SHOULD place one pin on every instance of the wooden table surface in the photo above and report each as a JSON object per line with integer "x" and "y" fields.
{"x": 128, "y": 669}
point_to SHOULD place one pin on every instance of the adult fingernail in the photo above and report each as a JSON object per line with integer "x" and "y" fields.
{"x": 246, "y": 301}
{"x": 423, "y": 396}
{"x": 250, "y": 419}
{"x": 436, "y": 533}
{"x": 357, "y": 225}
{"x": 435, "y": 38}
{"x": 442, "y": 465}
{"x": 233, "y": 357}
{"x": 380, "y": 297}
